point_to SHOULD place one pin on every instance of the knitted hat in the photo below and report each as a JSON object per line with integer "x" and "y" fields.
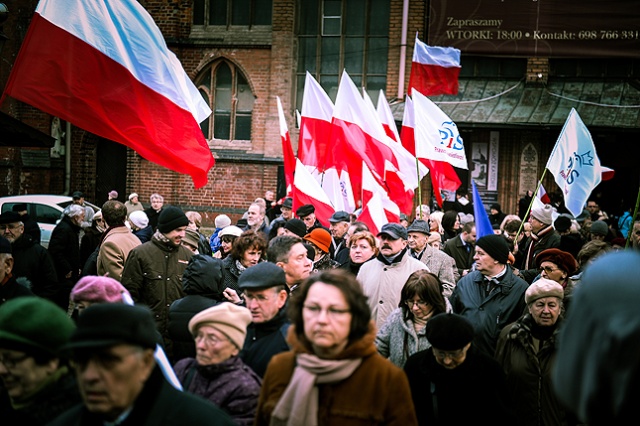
{"x": 191, "y": 237}
{"x": 321, "y": 238}
{"x": 543, "y": 214}
{"x": 394, "y": 230}
{"x": 543, "y": 288}
{"x": 139, "y": 219}
{"x": 304, "y": 211}
{"x": 222, "y": 221}
{"x": 34, "y": 325}
{"x": 171, "y": 218}
{"x": 113, "y": 194}
{"x": 231, "y": 230}
{"x": 449, "y": 332}
{"x": 495, "y": 246}
{"x": 262, "y": 275}
{"x": 562, "y": 259}
{"x": 5, "y": 245}
{"x": 599, "y": 227}
{"x": 108, "y": 324}
{"x": 97, "y": 289}
{"x": 132, "y": 196}
{"x": 297, "y": 227}
{"x": 419, "y": 225}
{"x": 230, "y": 319}
{"x": 562, "y": 223}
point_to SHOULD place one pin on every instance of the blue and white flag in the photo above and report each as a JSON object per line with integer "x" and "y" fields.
{"x": 575, "y": 164}
{"x": 483, "y": 224}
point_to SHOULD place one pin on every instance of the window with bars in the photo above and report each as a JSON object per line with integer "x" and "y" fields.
{"x": 226, "y": 90}
{"x": 343, "y": 34}
{"x": 225, "y": 13}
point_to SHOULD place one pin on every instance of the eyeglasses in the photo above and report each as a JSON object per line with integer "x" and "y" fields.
{"x": 421, "y": 303}
{"x": 333, "y": 313}
{"x": 11, "y": 362}
{"x": 209, "y": 339}
{"x": 10, "y": 226}
{"x": 441, "y": 355}
{"x": 547, "y": 269}
{"x": 227, "y": 239}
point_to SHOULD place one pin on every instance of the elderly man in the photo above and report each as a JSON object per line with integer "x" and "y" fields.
{"x": 338, "y": 226}
{"x": 492, "y": 296}
{"x": 256, "y": 220}
{"x": 307, "y": 214}
{"x": 133, "y": 204}
{"x": 153, "y": 271}
{"x": 461, "y": 249}
{"x": 153, "y": 212}
{"x": 30, "y": 261}
{"x": 543, "y": 237}
{"x": 37, "y": 384}
{"x": 265, "y": 293}
{"x": 382, "y": 278}
{"x": 117, "y": 240}
{"x": 9, "y": 287}
{"x": 289, "y": 253}
{"x": 31, "y": 227}
{"x": 112, "y": 352}
{"x": 437, "y": 261}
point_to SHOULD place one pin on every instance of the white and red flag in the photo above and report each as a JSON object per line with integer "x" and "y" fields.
{"x": 373, "y": 214}
{"x": 371, "y": 187}
{"x": 434, "y": 70}
{"x": 315, "y": 125}
{"x": 104, "y": 66}
{"x": 386, "y": 117}
{"x": 306, "y": 190}
{"x": 287, "y": 149}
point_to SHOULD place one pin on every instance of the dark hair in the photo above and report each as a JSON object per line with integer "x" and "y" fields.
{"x": 359, "y": 226}
{"x": 428, "y": 287}
{"x": 512, "y": 225}
{"x": 350, "y": 288}
{"x": 280, "y": 247}
{"x": 449, "y": 219}
{"x": 273, "y": 232}
{"x": 114, "y": 212}
{"x": 468, "y": 227}
{"x": 248, "y": 240}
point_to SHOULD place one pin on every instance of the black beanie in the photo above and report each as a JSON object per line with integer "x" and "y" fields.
{"x": 297, "y": 227}
{"x": 495, "y": 246}
{"x": 171, "y": 218}
{"x": 449, "y": 332}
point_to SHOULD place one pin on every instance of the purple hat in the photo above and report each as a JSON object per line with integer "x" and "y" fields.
{"x": 97, "y": 289}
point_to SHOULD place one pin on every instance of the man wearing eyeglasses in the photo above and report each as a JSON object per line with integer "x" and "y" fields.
{"x": 31, "y": 261}
{"x": 112, "y": 353}
{"x": 265, "y": 294}
{"x": 37, "y": 383}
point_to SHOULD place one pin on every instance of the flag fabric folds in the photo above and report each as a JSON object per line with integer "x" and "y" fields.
{"x": 287, "y": 149}
{"x": 315, "y": 125}
{"x": 306, "y": 190}
{"x": 575, "y": 163}
{"x": 434, "y": 70}
{"x": 104, "y": 66}
{"x": 483, "y": 224}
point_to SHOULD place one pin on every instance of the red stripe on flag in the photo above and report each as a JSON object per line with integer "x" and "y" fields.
{"x": 312, "y": 145}
{"x": 433, "y": 80}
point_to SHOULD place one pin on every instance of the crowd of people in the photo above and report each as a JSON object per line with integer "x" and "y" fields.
{"x": 135, "y": 316}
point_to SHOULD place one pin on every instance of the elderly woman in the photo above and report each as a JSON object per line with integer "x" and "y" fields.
{"x": 527, "y": 350}
{"x": 403, "y": 333}
{"x": 559, "y": 266}
{"x": 94, "y": 289}
{"x": 362, "y": 248}
{"x": 248, "y": 249}
{"x": 320, "y": 240}
{"x": 217, "y": 373}
{"x": 333, "y": 374}
{"x": 227, "y": 236}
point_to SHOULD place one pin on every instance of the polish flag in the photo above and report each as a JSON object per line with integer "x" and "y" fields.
{"x": 105, "y": 67}
{"x": 287, "y": 149}
{"x": 386, "y": 117}
{"x": 306, "y": 190}
{"x": 543, "y": 196}
{"x": 370, "y": 188}
{"x": 337, "y": 186}
{"x": 373, "y": 214}
{"x": 315, "y": 124}
{"x": 434, "y": 70}
{"x": 607, "y": 173}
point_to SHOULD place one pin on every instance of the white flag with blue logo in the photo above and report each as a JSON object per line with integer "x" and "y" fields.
{"x": 575, "y": 164}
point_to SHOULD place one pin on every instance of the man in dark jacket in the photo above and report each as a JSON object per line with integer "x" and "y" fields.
{"x": 31, "y": 261}
{"x": 31, "y": 227}
{"x": 265, "y": 293}
{"x": 542, "y": 237}
{"x": 9, "y": 287}
{"x": 153, "y": 270}
{"x": 120, "y": 383}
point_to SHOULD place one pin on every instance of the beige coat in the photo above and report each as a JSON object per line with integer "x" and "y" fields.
{"x": 114, "y": 250}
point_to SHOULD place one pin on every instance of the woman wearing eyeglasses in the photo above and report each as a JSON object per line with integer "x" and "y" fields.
{"x": 217, "y": 373}
{"x": 403, "y": 333}
{"x": 559, "y": 266}
{"x": 333, "y": 374}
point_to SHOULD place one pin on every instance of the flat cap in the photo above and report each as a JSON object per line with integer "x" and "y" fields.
{"x": 262, "y": 275}
{"x": 420, "y": 225}
{"x": 306, "y": 210}
{"x": 340, "y": 216}
{"x": 394, "y": 230}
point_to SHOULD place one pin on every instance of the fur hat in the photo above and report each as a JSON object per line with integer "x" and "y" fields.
{"x": 543, "y": 288}
{"x": 563, "y": 259}
{"x": 449, "y": 332}
{"x": 495, "y": 246}
{"x": 230, "y": 319}
{"x": 97, "y": 289}
{"x": 139, "y": 219}
{"x": 543, "y": 214}
{"x": 321, "y": 238}
{"x": 171, "y": 218}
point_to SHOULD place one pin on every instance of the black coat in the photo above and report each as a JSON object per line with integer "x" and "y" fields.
{"x": 265, "y": 340}
{"x": 159, "y": 403}
{"x": 12, "y": 289}
{"x": 64, "y": 248}
{"x": 33, "y": 262}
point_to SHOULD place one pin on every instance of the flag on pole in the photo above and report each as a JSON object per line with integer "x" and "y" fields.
{"x": 287, "y": 149}
{"x": 575, "y": 163}
{"x": 483, "y": 224}
{"x": 104, "y": 66}
{"x": 434, "y": 70}
{"x": 386, "y": 117}
{"x": 315, "y": 124}
{"x": 306, "y": 190}
{"x": 543, "y": 196}
{"x": 436, "y": 135}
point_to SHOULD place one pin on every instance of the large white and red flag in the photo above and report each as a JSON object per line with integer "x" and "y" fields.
{"x": 337, "y": 185}
{"x": 104, "y": 66}
{"x": 373, "y": 214}
{"x": 443, "y": 176}
{"x": 434, "y": 70}
{"x": 287, "y": 149}
{"x": 371, "y": 187}
{"x": 436, "y": 135}
{"x": 386, "y": 117}
{"x": 306, "y": 190}
{"x": 315, "y": 125}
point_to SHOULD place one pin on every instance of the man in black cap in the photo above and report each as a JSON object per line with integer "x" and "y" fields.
{"x": 265, "y": 293}
{"x": 542, "y": 237}
{"x": 295, "y": 227}
{"x": 31, "y": 261}
{"x": 286, "y": 212}
{"x": 382, "y": 278}
{"x": 30, "y": 226}
{"x": 338, "y": 226}
{"x": 291, "y": 255}
{"x": 452, "y": 383}
{"x": 112, "y": 352}
{"x": 153, "y": 270}
{"x": 307, "y": 214}
{"x": 492, "y": 296}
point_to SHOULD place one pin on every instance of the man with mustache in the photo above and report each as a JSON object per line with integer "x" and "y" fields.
{"x": 382, "y": 278}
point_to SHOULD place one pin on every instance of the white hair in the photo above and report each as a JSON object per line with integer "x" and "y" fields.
{"x": 73, "y": 210}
